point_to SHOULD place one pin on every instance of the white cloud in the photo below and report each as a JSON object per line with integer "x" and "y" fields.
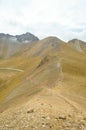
{"x": 63, "y": 18}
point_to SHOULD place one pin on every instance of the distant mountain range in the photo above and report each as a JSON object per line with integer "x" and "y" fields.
{"x": 23, "y": 38}
{"x": 10, "y": 45}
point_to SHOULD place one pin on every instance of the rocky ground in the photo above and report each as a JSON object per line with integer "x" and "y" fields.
{"x": 40, "y": 114}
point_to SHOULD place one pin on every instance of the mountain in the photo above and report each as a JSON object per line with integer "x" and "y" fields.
{"x": 43, "y": 87}
{"x": 23, "y": 38}
{"x": 10, "y": 45}
{"x": 45, "y": 46}
{"x": 26, "y": 38}
{"x": 78, "y": 45}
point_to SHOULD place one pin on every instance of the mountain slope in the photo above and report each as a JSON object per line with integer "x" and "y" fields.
{"x": 50, "y": 91}
{"x": 46, "y": 46}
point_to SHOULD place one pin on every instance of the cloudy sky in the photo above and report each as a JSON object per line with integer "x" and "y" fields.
{"x": 65, "y": 19}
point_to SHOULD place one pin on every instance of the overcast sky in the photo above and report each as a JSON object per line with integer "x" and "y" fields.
{"x": 65, "y": 19}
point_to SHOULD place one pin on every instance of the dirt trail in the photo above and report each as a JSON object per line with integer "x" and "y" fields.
{"x": 12, "y": 69}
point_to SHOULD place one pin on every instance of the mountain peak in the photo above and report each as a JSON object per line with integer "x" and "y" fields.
{"x": 52, "y": 39}
{"x": 78, "y": 45}
{"x": 75, "y": 40}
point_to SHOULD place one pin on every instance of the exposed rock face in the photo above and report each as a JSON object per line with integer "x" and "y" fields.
{"x": 78, "y": 45}
{"x": 26, "y": 38}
